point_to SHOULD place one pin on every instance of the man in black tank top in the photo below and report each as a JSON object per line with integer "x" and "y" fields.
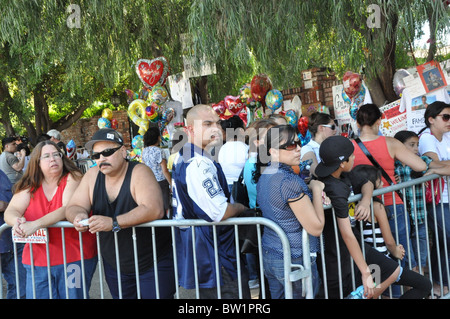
{"x": 113, "y": 197}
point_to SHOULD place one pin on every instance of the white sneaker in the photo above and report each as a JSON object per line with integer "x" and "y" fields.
{"x": 254, "y": 283}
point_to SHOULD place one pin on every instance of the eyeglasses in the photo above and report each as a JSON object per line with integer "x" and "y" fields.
{"x": 333, "y": 127}
{"x": 47, "y": 156}
{"x": 106, "y": 153}
{"x": 292, "y": 146}
{"x": 445, "y": 117}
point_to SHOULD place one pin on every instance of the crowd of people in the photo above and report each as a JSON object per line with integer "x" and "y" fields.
{"x": 197, "y": 181}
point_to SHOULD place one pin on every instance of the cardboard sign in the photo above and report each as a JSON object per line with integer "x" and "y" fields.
{"x": 392, "y": 120}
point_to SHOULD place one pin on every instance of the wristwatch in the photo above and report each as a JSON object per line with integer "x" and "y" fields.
{"x": 115, "y": 226}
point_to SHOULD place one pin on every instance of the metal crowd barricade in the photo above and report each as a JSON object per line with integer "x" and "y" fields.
{"x": 436, "y": 234}
{"x": 291, "y": 272}
{"x": 84, "y": 164}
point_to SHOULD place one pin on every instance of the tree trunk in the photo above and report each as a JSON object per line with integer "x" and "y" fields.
{"x": 383, "y": 89}
{"x": 376, "y": 91}
{"x": 202, "y": 85}
{"x": 432, "y": 24}
{"x": 6, "y": 100}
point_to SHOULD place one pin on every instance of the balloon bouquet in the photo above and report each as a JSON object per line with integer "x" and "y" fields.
{"x": 107, "y": 120}
{"x": 148, "y": 106}
{"x": 250, "y": 104}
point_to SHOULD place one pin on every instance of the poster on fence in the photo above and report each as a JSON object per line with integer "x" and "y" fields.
{"x": 39, "y": 237}
{"x": 392, "y": 120}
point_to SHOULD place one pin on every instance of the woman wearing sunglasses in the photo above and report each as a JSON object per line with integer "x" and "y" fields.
{"x": 434, "y": 142}
{"x": 285, "y": 199}
{"x": 321, "y": 126}
{"x": 40, "y": 199}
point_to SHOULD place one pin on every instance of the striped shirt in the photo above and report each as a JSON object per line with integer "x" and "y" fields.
{"x": 374, "y": 232}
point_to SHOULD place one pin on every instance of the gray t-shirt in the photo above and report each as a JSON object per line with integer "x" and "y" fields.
{"x": 7, "y": 160}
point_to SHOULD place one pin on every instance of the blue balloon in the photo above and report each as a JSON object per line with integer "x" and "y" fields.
{"x": 138, "y": 141}
{"x": 274, "y": 99}
{"x": 305, "y": 139}
{"x": 291, "y": 118}
{"x": 103, "y": 122}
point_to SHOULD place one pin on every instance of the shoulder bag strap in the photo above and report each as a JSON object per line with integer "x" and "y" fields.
{"x": 375, "y": 163}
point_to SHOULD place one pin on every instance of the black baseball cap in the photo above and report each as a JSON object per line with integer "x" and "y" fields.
{"x": 104, "y": 135}
{"x": 333, "y": 151}
{"x": 8, "y": 140}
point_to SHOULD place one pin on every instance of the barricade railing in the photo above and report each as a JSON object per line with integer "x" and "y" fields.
{"x": 292, "y": 272}
{"x": 437, "y": 234}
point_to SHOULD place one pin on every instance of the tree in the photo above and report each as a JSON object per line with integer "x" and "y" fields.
{"x": 57, "y": 58}
{"x": 288, "y": 36}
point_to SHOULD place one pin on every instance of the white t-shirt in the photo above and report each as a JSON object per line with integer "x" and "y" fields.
{"x": 429, "y": 143}
{"x": 232, "y": 158}
{"x": 312, "y": 146}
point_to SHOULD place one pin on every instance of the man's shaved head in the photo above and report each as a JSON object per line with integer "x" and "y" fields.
{"x": 203, "y": 126}
{"x": 193, "y": 113}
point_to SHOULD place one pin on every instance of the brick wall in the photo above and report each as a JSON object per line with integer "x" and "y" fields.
{"x": 320, "y": 84}
{"x": 82, "y": 131}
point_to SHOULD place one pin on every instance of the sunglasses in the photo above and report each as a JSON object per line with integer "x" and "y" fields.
{"x": 333, "y": 127}
{"x": 445, "y": 117}
{"x": 292, "y": 146}
{"x": 106, "y": 153}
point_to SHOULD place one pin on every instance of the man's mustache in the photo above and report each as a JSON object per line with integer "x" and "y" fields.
{"x": 104, "y": 164}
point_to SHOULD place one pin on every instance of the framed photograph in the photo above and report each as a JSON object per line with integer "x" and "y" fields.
{"x": 432, "y": 76}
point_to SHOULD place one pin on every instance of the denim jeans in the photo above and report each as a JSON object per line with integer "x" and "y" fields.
{"x": 58, "y": 280}
{"x": 274, "y": 272}
{"x": 166, "y": 278}
{"x": 400, "y": 229}
{"x": 419, "y": 243}
{"x": 9, "y": 273}
{"x": 441, "y": 239}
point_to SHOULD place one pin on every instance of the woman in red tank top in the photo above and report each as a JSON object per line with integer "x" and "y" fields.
{"x": 385, "y": 150}
{"x": 39, "y": 201}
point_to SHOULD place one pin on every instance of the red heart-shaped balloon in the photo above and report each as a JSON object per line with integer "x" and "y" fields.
{"x": 219, "y": 108}
{"x": 302, "y": 125}
{"x": 243, "y": 117}
{"x": 152, "y": 72}
{"x": 352, "y": 83}
{"x": 233, "y": 104}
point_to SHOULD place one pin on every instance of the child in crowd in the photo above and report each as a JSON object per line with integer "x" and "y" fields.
{"x": 418, "y": 212}
{"x": 337, "y": 154}
{"x": 377, "y": 231}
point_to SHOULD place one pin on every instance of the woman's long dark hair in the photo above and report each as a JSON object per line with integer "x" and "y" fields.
{"x": 433, "y": 110}
{"x": 276, "y": 136}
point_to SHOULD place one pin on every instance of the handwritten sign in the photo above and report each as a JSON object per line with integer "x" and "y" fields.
{"x": 392, "y": 121}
